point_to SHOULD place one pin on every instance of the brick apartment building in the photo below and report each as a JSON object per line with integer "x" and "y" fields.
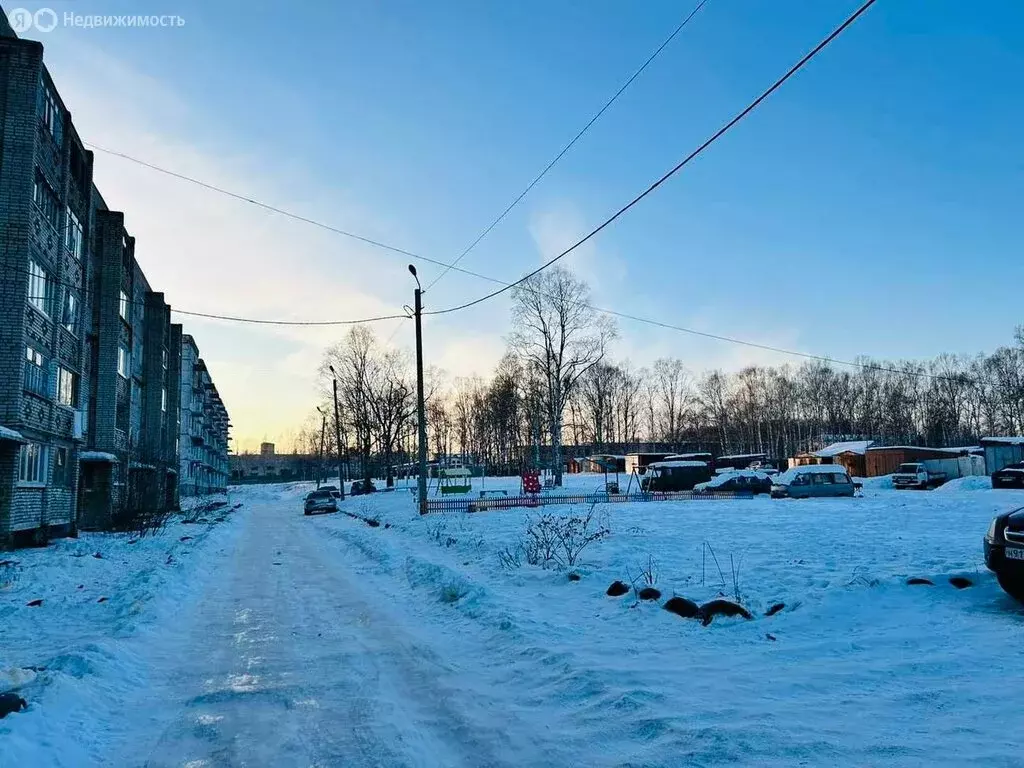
{"x": 91, "y": 370}
{"x": 203, "y": 436}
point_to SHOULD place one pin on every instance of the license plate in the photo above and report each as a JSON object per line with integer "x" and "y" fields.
{"x": 1013, "y": 553}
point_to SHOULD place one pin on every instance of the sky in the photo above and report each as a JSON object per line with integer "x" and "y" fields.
{"x": 869, "y": 207}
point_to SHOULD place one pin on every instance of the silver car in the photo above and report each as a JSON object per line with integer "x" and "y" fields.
{"x": 321, "y": 501}
{"x": 813, "y": 480}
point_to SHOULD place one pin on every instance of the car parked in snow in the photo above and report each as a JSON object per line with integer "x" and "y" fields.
{"x": 362, "y": 487}
{"x": 321, "y": 501}
{"x": 1009, "y": 477}
{"x": 1004, "y": 551}
{"x": 333, "y": 489}
{"x": 813, "y": 480}
{"x": 737, "y": 480}
{"x": 918, "y": 474}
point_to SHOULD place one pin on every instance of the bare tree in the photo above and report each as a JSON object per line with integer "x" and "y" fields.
{"x": 560, "y": 337}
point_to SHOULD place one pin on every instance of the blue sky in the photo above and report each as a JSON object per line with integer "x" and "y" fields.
{"x": 867, "y": 208}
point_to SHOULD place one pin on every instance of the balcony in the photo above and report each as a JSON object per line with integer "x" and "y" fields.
{"x": 36, "y": 381}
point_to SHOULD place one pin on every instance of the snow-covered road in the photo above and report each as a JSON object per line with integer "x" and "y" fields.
{"x": 288, "y": 658}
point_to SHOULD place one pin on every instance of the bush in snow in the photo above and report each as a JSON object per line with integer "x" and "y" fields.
{"x": 561, "y": 540}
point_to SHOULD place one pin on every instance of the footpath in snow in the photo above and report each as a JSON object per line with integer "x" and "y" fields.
{"x": 278, "y": 639}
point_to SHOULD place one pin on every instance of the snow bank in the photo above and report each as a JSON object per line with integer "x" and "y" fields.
{"x": 970, "y": 483}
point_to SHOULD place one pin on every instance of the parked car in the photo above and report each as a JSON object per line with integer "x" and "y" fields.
{"x": 1004, "y": 552}
{"x": 320, "y": 501}
{"x": 813, "y": 480}
{"x": 920, "y": 474}
{"x": 362, "y": 487}
{"x": 333, "y": 489}
{"x": 737, "y": 480}
{"x": 1009, "y": 477}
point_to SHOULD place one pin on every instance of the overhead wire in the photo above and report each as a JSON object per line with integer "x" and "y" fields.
{"x": 672, "y": 171}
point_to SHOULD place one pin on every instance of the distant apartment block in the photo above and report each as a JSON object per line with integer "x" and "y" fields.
{"x": 91, "y": 370}
{"x": 203, "y": 438}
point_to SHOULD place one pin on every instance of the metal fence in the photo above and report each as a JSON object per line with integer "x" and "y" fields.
{"x": 470, "y": 504}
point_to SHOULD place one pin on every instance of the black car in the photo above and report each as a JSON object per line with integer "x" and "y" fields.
{"x": 360, "y": 487}
{"x": 1004, "y": 552}
{"x": 1009, "y": 477}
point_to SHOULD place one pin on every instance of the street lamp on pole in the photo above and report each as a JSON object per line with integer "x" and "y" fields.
{"x": 421, "y": 416}
{"x": 320, "y": 464}
{"x": 337, "y": 434}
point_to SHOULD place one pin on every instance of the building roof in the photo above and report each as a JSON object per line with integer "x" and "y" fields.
{"x": 673, "y": 464}
{"x": 858, "y": 447}
{"x": 1002, "y": 441}
{"x": 744, "y": 456}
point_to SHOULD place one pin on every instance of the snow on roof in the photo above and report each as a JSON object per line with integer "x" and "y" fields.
{"x": 674, "y": 456}
{"x": 138, "y": 465}
{"x": 97, "y": 456}
{"x": 454, "y": 472}
{"x": 851, "y": 446}
{"x": 743, "y": 456}
{"x": 664, "y": 464}
{"x": 7, "y": 433}
{"x": 808, "y": 469}
{"x": 1003, "y": 440}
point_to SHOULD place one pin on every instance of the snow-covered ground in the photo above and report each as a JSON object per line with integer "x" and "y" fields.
{"x": 279, "y": 639}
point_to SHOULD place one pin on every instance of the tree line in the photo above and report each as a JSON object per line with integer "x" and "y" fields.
{"x": 558, "y": 384}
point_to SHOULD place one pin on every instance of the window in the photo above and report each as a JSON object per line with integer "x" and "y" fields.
{"x": 38, "y": 287}
{"x": 69, "y": 318}
{"x": 164, "y": 360}
{"x": 36, "y": 380}
{"x": 163, "y": 399}
{"x": 61, "y": 475}
{"x": 823, "y": 478}
{"x": 50, "y": 113}
{"x": 67, "y": 387}
{"x": 123, "y": 306}
{"x": 123, "y": 361}
{"x": 32, "y": 464}
{"x": 44, "y": 198}
{"x": 74, "y": 235}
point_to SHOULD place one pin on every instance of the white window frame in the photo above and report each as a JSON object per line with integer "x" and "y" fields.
{"x": 124, "y": 361}
{"x": 71, "y": 304}
{"x": 122, "y": 305}
{"x": 67, "y": 386}
{"x": 39, "y": 294}
{"x": 75, "y": 235}
{"x": 163, "y": 399}
{"x": 33, "y": 465}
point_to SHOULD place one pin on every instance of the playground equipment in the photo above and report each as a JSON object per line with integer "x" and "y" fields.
{"x": 455, "y": 480}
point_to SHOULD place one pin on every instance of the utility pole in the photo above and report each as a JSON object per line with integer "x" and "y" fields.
{"x": 337, "y": 434}
{"x": 421, "y": 415}
{"x": 320, "y": 460}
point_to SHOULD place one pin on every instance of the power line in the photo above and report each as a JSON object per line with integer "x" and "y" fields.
{"x": 572, "y": 143}
{"x": 279, "y": 211}
{"x": 601, "y": 310}
{"x": 674, "y": 170}
{"x": 212, "y": 316}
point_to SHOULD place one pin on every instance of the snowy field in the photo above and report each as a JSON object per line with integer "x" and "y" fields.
{"x": 278, "y": 639}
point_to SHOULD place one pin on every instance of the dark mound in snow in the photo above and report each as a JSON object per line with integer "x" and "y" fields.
{"x": 11, "y": 702}
{"x": 916, "y": 581}
{"x": 680, "y": 606}
{"x": 617, "y": 589}
{"x": 574, "y": 577}
{"x": 708, "y": 611}
{"x": 35, "y": 603}
{"x": 774, "y": 609}
{"x": 649, "y": 593}
{"x": 960, "y": 582}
